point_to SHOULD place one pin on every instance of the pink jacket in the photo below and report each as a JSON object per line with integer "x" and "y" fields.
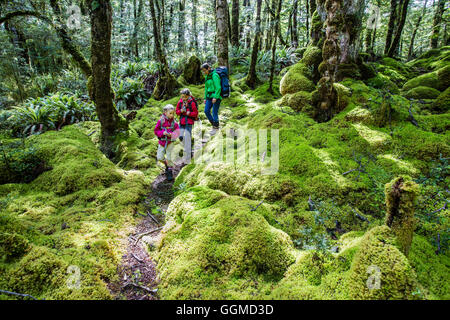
{"x": 164, "y": 124}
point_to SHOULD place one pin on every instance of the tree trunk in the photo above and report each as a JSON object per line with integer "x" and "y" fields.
{"x": 391, "y": 25}
{"x": 181, "y": 23}
{"x": 205, "y": 38}
{"x": 294, "y": 28}
{"x": 137, "y": 21}
{"x": 394, "y": 47}
{"x": 194, "y": 25}
{"x": 252, "y": 78}
{"x": 222, "y": 32}
{"x": 274, "y": 46}
{"x": 235, "y": 24}
{"x": 100, "y": 85}
{"x": 419, "y": 19}
{"x": 339, "y": 52}
{"x": 437, "y": 20}
{"x": 308, "y": 15}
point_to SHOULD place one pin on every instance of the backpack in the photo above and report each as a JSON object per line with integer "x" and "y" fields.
{"x": 224, "y": 81}
{"x": 196, "y": 105}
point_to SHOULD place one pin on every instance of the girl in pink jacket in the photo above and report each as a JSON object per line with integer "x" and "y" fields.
{"x": 167, "y": 131}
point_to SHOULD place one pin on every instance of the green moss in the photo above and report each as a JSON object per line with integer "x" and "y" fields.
{"x": 443, "y": 76}
{"x": 299, "y": 101}
{"x": 295, "y": 80}
{"x": 12, "y": 246}
{"x": 192, "y": 73}
{"x": 343, "y": 96}
{"x": 380, "y": 81}
{"x": 432, "y": 269}
{"x": 442, "y": 102}
{"x": 215, "y": 249}
{"x": 312, "y": 56}
{"x": 401, "y": 194}
{"x": 426, "y": 80}
{"x": 422, "y": 93}
{"x": 378, "y": 257}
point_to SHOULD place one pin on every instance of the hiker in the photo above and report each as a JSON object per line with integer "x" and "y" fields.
{"x": 188, "y": 112}
{"x": 213, "y": 96}
{"x": 167, "y": 131}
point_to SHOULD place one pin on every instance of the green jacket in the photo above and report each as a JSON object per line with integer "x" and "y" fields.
{"x": 212, "y": 86}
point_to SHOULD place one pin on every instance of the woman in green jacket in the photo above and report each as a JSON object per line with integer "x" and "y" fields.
{"x": 212, "y": 96}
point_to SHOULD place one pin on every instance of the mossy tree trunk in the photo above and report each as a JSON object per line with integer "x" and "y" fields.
{"x": 416, "y": 27}
{"x": 100, "y": 84}
{"x": 274, "y": 45}
{"x": 252, "y": 78}
{"x": 391, "y": 25}
{"x": 235, "y": 23}
{"x": 339, "y": 52}
{"x": 222, "y": 32}
{"x": 437, "y": 20}
{"x": 138, "y": 8}
{"x": 401, "y": 194}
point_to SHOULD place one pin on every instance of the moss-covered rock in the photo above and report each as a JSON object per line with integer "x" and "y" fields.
{"x": 12, "y": 245}
{"x": 216, "y": 251}
{"x": 379, "y": 270}
{"x": 422, "y": 93}
{"x": 192, "y": 73}
{"x": 443, "y": 76}
{"x": 426, "y": 80}
{"x": 380, "y": 81}
{"x": 343, "y": 96}
{"x": 442, "y": 102}
{"x": 312, "y": 56}
{"x": 296, "y": 79}
{"x": 299, "y": 101}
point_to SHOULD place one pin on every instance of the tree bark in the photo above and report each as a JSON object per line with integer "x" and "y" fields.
{"x": 394, "y": 47}
{"x": 437, "y": 20}
{"x": 391, "y": 25}
{"x": 194, "y": 25}
{"x": 235, "y": 24}
{"x": 252, "y": 78}
{"x": 181, "y": 23}
{"x": 419, "y": 19}
{"x": 339, "y": 52}
{"x": 111, "y": 122}
{"x": 166, "y": 83}
{"x": 294, "y": 28}
{"x": 274, "y": 46}
{"x": 222, "y": 32}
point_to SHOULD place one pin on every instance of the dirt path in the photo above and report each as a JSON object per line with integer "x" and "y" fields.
{"x": 138, "y": 277}
{"x": 137, "y": 273}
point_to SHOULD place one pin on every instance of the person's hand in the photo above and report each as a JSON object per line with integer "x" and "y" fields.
{"x": 214, "y": 100}
{"x": 166, "y": 133}
{"x": 188, "y": 113}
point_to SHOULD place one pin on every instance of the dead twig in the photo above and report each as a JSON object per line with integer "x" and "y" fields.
{"x": 138, "y": 259}
{"x": 18, "y": 294}
{"x": 139, "y": 236}
{"x": 153, "y": 291}
{"x": 254, "y": 208}
{"x": 153, "y": 218}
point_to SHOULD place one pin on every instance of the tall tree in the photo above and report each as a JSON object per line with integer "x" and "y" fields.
{"x": 137, "y": 8}
{"x": 222, "y": 32}
{"x": 100, "y": 83}
{"x": 394, "y": 46}
{"x": 294, "y": 27}
{"x": 166, "y": 83}
{"x": 416, "y": 27}
{"x": 391, "y": 25}
{"x": 194, "y": 26}
{"x": 274, "y": 46}
{"x": 340, "y": 51}
{"x": 437, "y": 20}
{"x": 252, "y": 78}
{"x": 181, "y": 25}
{"x": 235, "y": 23}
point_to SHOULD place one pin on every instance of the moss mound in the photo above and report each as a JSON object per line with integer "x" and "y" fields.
{"x": 442, "y": 102}
{"x": 217, "y": 251}
{"x": 192, "y": 73}
{"x": 296, "y": 80}
{"x": 379, "y": 270}
{"x": 422, "y": 93}
{"x": 426, "y": 80}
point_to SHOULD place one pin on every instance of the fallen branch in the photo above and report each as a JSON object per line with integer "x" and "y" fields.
{"x": 18, "y": 294}
{"x": 254, "y": 209}
{"x": 139, "y": 236}
{"x": 140, "y": 287}
{"x": 140, "y": 260}
{"x": 153, "y": 218}
{"x": 411, "y": 117}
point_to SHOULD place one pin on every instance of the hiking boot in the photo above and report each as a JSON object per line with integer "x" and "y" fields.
{"x": 215, "y": 128}
{"x": 169, "y": 174}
